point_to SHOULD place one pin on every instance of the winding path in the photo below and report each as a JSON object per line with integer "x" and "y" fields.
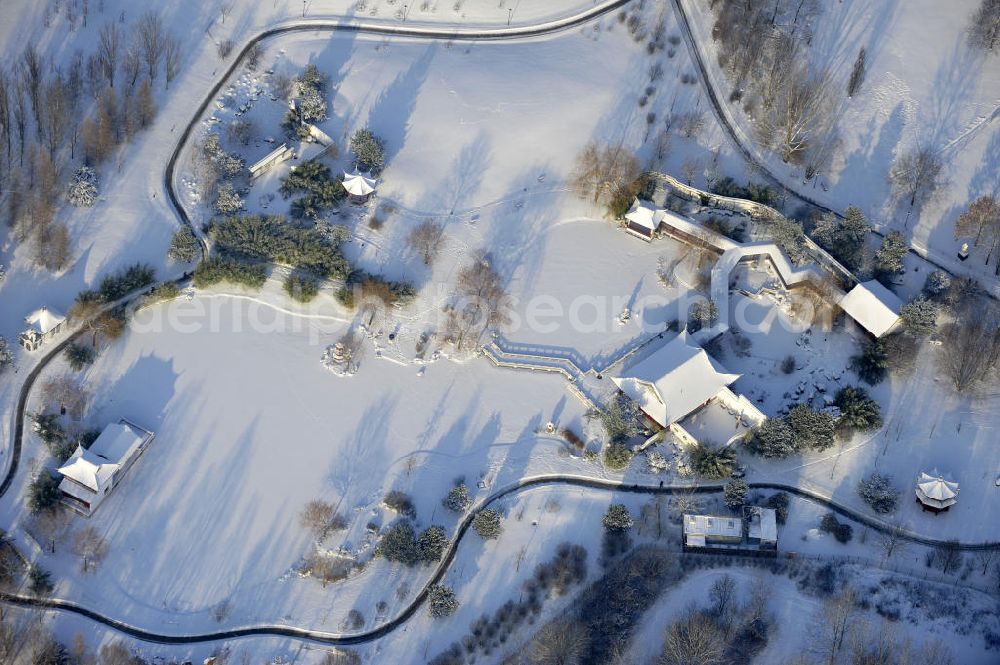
{"x": 563, "y": 480}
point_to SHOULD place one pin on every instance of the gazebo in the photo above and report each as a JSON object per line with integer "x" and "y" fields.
{"x": 935, "y": 494}
{"x": 359, "y": 188}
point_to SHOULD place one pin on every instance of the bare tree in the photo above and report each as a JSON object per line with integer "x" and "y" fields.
{"x": 226, "y": 9}
{"x": 5, "y": 117}
{"x": 984, "y": 28}
{"x": 108, "y": 46}
{"x": 171, "y": 57}
{"x": 49, "y": 527}
{"x": 982, "y": 220}
{"x": 600, "y": 172}
{"x": 481, "y": 300}
{"x": 973, "y": 350}
{"x": 891, "y": 541}
{"x": 693, "y": 640}
{"x": 90, "y": 546}
{"x": 425, "y": 239}
{"x": 559, "y": 643}
{"x": 917, "y": 174}
{"x": 254, "y": 54}
{"x": 70, "y": 394}
{"x": 31, "y": 70}
{"x": 152, "y": 40}
{"x": 802, "y": 110}
{"x": 131, "y": 64}
{"x": 317, "y": 516}
{"x": 55, "y": 113}
{"x": 834, "y": 622}
{"x": 722, "y": 595}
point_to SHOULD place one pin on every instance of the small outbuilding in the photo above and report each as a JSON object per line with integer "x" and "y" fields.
{"x": 43, "y": 324}
{"x": 359, "y": 188}
{"x": 276, "y": 156}
{"x": 935, "y": 494}
{"x": 643, "y": 219}
{"x": 873, "y": 306}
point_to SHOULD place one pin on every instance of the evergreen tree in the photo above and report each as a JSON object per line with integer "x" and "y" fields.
{"x": 889, "y": 256}
{"x": 228, "y": 201}
{"x": 774, "y": 439}
{"x": 79, "y": 356}
{"x": 83, "y": 188}
{"x": 184, "y": 247}
{"x": 810, "y": 428}
{"x": 369, "y": 151}
{"x": 878, "y": 492}
{"x": 919, "y": 317}
{"x": 441, "y": 601}
{"x": 872, "y": 364}
{"x": 617, "y": 518}
{"x": 431, "y": 544}
{"x": 857, "y": 409}
{"x": 735, "y": 493}
{"x": 458, "y": 499}
{"x": 857, "y": 73}
{"x": 487, "y": 524}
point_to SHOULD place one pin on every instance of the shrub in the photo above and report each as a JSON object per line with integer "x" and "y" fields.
{"x": 401, "y": 503}
{"x": 487, "y": 524}
{"x": 6, "y": 356}
{"x": 773, "y": 439}
{"x": 878, "y": 492}
{"x": 814, "y": 429}
{"x": 779, "y": 503}
{"x": 458, "y": 499}
{"x": 273, "y": 239}
{"x": 227, "y": 200}
{"x": 735, "y": 493}
{"x": 79, "y": 355}
{"x": 788, "y": 364}
{"x": 857, "y": 409}
{"x": 44, "y": 492}
{"x": 369, "y": 151}
{"x": 841, "y": 531}
{"x": 215, "y": 270}
{"x": 937, "y": 284}
{"x": 872, "y": 363}
{"x": 41, "y": 581}
{"x": 617, "y": 518}
{"x": 441, "y": 601}
{"x": 300, "y": 287}
{"x": 617, "y": 456}
{"x": 319, "y": 188}
{"x": 713, "y": 463}
{"x": 399, "y": 543}
{"x": 165, "y": 291}
{"x": 125, "y": 281}
{"x": 753, "y": 191}
{"x": 184, "y": 247}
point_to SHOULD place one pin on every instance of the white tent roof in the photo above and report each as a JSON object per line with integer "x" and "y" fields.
{"x": 936, "y": 491}
{"x": 358, "y": 185}
{"x": 674, "y": 381}
{"x": 645, "y": 214}
{"x": 44, "y": 320}
{"x": 872, "y": 305}
{"x": 93, "y": 467}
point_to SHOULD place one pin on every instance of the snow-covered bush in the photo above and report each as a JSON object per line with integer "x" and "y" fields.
{"x": 227, "y": 165}
{"x": 657, "y": 462}
{"x": 840, "y": 530}
{"x": 713, "y": 462}
{"x": 487, "y": 523}
{"x": 919, "y": 316}
{"x": 937, "y": 283}
{"x": 369, "y": 151}
{"x": 441, "y": 601}
{"x": 228, "y": 201}
{"x": 312, "y": 106}
{"x": 617, "y": 518}
{"x": 6, "y": 357}
{"x": 83, "y": 188}
{"x": 878, "y": 492}
{"x": 184, "y": 247}
{"x": 735, "y": 493}
{"x": 458, "y": 499}
{"x": 401, "y": 503}
{"x": 774, "y": 438}
{"x": 704, "y": 314}
{"x": 617, "y": 456}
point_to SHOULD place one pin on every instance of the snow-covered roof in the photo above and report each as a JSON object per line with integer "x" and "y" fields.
{"x": 674, "y": 380}
{"x": 872, "y": 305}
{"x": 936, "y": 491}
{"x": 712, "y": 526}
{"x": 44, "y": 320}
{"x": 358, "y": 185}
{"x": 94, "y": 467}
{"x": 762, "y": 524}
{"x": 645, "y": 214}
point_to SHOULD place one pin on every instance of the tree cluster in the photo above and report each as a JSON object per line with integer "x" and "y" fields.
{"x": 320, "y": 190}
{"x": 401, "y": 543}
{"x": 802, "y": 428}
{"x": 215, "y": 270}
{"x": 713, "y": 462}
{"x": 480, "y": 302}
{"x": 878, "y": 492}
{"x": 845, "y": 240}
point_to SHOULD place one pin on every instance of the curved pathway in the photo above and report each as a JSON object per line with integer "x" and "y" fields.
{"x": 442, "y": 568}
{"x": 337, "y": 639}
